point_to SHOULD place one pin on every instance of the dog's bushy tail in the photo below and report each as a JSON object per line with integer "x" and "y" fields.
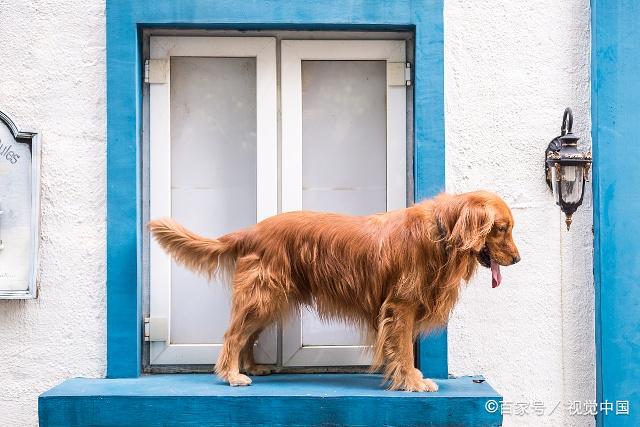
{"x": 197, "y": 253}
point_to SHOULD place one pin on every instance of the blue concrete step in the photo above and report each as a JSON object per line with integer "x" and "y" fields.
{"x": 276, "y": 400}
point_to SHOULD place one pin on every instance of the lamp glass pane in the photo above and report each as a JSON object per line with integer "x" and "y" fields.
{"x": 554, "y": 184}
{"x": 571, "y": 183}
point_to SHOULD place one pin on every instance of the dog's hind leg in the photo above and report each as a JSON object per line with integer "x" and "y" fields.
{"x": 255, "y": 303}
{"x": 247, "y": 362}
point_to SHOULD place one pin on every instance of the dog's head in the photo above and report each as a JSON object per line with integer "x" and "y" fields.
{"x": 482, "y": 223}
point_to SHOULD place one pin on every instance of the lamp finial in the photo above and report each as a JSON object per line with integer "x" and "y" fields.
{"x": 568, "y": 220}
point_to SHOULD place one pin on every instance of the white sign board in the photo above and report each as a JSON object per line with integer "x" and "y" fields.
{"x": 19, "y": 210}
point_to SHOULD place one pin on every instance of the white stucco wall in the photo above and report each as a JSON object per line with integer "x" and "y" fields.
{"x": 52, "y": 79}
{"x": 511, "y": 67}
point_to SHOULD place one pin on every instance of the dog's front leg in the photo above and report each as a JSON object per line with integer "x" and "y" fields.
{"x": 394, "y": 344}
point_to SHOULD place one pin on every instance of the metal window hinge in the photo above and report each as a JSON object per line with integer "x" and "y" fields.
{"x": 407, "y": 73}
{"x": 156, "y": 329}
{"x": 399, "y": 73}
{"x": 155, "y": 70}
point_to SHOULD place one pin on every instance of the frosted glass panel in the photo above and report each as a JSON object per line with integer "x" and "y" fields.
{"x": 213, "y": 178}
{"x": 343, "y": 155}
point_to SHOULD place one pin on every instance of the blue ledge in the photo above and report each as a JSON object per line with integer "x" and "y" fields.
{"x": 285, "y": 399}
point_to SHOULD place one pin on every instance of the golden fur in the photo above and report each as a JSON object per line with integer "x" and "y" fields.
{"x": 395, "y": 274}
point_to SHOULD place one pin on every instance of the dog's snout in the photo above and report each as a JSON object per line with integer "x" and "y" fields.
{"x": 515, "y": 259}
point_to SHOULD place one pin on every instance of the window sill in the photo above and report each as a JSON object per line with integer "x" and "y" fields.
{"x": 283, "y": 399}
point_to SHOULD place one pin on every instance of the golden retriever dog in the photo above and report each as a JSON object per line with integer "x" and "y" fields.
{"x": 395, "y": 274}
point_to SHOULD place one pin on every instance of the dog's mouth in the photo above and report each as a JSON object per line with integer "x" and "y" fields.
{"x": 484, "y": 258}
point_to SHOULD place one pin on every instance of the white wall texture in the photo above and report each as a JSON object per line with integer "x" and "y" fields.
{"x": 52, "y": 79}
{"x": 511, "y": 67}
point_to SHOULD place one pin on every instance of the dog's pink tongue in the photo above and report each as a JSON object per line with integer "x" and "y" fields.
{"x": 496, "y": 277}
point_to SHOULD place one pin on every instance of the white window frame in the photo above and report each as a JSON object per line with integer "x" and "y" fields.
{"x": 293, "y": 52}
{"x": 161, "y": 51}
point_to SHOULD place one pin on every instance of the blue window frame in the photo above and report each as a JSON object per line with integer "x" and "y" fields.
{"x": 125, "y": 19}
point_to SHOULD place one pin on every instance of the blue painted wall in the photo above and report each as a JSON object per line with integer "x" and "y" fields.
{"x": 616, "y": 145}
{"x": 126, "y": 17}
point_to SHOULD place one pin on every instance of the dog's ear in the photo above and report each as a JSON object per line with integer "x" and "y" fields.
{"x": 473, "y": 224}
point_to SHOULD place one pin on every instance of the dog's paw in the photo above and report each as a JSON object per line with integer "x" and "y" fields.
{"x": 237, "y": 380}
{"x": 419, "y": 384}
{"x": 258, "y": 370}
{"x": 431, "y": 385}
{"x": 419, "y": 372}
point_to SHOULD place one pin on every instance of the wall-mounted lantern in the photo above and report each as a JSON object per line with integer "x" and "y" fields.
{"x": 19, "y": 210}
{"x": 567, "y": 168}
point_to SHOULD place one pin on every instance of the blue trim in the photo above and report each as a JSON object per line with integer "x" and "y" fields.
{"x": 616, "y": 130}
{"x": 318, "y": 399}
{"x": 432, "y": 354}
{"x": 429, "y": 145}
{"x": 596, "y": 204}
{"x": 123, "y": 207}
{"x": 124, "y": 18}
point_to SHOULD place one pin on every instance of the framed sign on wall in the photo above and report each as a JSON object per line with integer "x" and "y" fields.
{"x": 19, "y": 210}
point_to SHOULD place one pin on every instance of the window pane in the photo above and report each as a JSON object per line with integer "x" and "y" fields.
{"x": 213, "y": 177}
{"x": 343, "y": 155}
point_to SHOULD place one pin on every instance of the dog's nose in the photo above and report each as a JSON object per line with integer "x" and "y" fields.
{"x": 516, "y": 259}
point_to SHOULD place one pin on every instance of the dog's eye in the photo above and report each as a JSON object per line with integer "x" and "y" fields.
{"x": 502, "y": 229}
